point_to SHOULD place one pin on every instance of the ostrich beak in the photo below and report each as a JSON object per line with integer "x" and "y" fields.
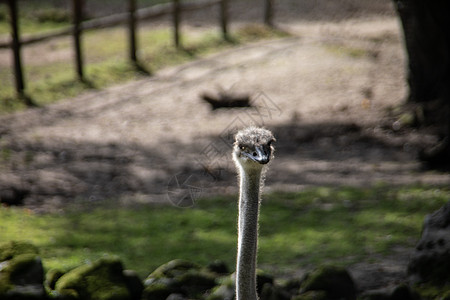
{"x": 260, "y": 155}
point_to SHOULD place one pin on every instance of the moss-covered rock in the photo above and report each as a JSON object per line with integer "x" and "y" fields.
{"x": 429, "y": 291}
{"x": 173, "y": 268}
{"x": 312, "y": 295}
{"x": 180, "y": 277}
{"x": 218, "y": 267}
{"x": 225, "y": 290}
{"x": 431, "y": 267}
{"x": 446, "y": 295}
{"x": 176, "y": 297}
{"x": 404, "y": 292}
{"x": 160, "y": 289}
{"x": 26, "y": 269}
{"x": 261, "y": 279}
{"x": 335, "y": 281}
{"x": 103, "y": 280}
{"x": 375, "y": 295}
{"x": 52, "y": 277}
{"x": 21, "y": 271}
{"x": 222, "y": 292}
{"x": 431, "y": 259}
{"x": 11, "y": 249}
{"x": 292, "y": 285}
{"x": 21, "y": 277}
{"x": 134, "y": 284}
{"x": 195, "y": 283}
{"x": 274, "y": 292}
{"x": 400, "y": 292}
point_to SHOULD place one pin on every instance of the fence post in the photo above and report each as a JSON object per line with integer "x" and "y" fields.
{"x": 77, "y": 19}
{"x": 224, "y": 18}
{"x": 132, "y": 29}
{"x": 176, "y": 22}
{"x": 16, "y": 45}
{"x": 268, "y": 12}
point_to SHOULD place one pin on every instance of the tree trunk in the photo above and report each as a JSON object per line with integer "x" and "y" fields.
{"x": 426, "y": 27}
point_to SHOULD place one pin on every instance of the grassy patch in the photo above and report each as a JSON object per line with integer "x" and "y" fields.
{"x": 105, "y": 53}
{"x": 339, "y": 225}
{"x": 34, "y": 19}
{"x": 44, "y": 15}
{"x": 342, "y": 50}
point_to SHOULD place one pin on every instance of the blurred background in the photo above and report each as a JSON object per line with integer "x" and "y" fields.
{"x": 130, "y": 160}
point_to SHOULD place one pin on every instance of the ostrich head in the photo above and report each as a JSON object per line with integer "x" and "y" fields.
{"x": 253, "y": 148}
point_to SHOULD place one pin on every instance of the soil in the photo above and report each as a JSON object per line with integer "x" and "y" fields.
{"x": 329, "y": 92}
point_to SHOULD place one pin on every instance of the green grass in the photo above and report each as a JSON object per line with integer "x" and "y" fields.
{"x": 349, "y": 51}
{"x": 319, "y": 225}
{"x": 45, "y": 15}
{"x": 105, "y": 54}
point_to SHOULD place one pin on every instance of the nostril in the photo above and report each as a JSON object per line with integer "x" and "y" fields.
{"x": 255, "y": 154}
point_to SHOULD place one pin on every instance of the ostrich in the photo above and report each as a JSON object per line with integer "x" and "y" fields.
{"x": 251, "y": 153}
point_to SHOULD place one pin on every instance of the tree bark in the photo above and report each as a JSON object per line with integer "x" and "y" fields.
{"x": 426, "y": 27}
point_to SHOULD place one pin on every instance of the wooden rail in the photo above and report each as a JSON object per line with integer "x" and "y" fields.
{"x": 142, "y": 14}
{"x": 131, "y": 17}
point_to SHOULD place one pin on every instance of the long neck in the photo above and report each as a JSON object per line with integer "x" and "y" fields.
{"x": 249, "y": 201}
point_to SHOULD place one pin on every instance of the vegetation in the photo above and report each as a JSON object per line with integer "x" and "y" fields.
{"x": 315, "y": 226}
{"x": 44, "y": 15}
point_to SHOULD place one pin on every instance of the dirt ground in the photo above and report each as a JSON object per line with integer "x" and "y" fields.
{"x": 328, "y": 92}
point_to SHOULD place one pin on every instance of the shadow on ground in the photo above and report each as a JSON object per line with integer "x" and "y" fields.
{"x": 50, "y": 175}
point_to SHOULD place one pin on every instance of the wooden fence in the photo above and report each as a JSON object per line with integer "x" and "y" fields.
{"x": 131, "y": 17}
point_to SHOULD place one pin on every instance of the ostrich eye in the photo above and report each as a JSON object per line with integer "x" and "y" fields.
{"x": 242, "y": 148}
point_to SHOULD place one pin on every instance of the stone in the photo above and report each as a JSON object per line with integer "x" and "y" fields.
{"x": 160, "y": 289}
{"x": 179, "y": 277}
{"x": 26, "y": 292}
{"x": 335, "y": 281}
{"x": 381, "y": 294}
{"x": 274, "y": 292}
{"x": 446, "y": 295}
{"x": 14, "y": 248}
{"x": 13, "y": 189}
{"x": 22, "y": 277}
{"x": 292, "y": 285}
{"x": 400, "y": 292}
{"x": 103, "y": 279}
{"x": 432, "y": 291}
{"x": 21, "y": 271}
{"x": 431, "y": 259}
{"x": 176, "y": 297}
{"x": 173, "y": 268}
{"x": 222, "y": 292}
{"x": 134, "y": 284}
{"x": 261, "y": 279}
{"x": 312, "y": 295}
{"x": 225, "y": 291}
{"x": 13, "y": 195}
{"x": 218, "y": 267}
{"x": 195, "y": 283}
{"x": 404, "y": 292}
{"x": 52, "y": 277}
